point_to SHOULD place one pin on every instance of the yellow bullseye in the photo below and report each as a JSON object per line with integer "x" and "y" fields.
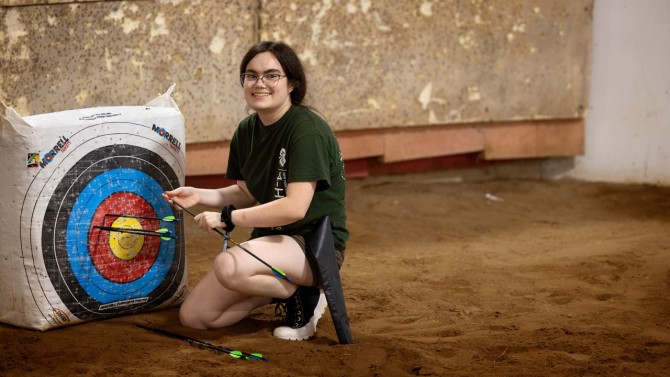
{"x": 126, "y": 245}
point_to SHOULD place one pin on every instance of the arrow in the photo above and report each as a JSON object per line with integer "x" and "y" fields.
{"x": 195, "y": 342}
{"x": 277, "y": 272}
{"x": 163, "y": 233}
{"x": 166, "y": 218}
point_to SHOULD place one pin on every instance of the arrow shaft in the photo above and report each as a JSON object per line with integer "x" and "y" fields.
{"x": 225, "y": 235}
{"x": 259, "y": 259}
{"x": 144, "y": 232}
{"x": 116, "y": 229}
{"x": 166, "y": 218}
{"x": 201, "y": 343}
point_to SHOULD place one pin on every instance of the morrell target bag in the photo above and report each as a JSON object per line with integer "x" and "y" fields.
{"x": 85, "y": 232}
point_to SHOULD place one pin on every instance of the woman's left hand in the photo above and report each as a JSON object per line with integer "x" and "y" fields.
{"x": 209, "y": 220}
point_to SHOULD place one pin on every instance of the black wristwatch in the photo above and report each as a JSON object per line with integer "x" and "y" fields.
{"x": 226, "y": 217}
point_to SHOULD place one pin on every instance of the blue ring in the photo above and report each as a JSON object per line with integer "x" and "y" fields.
{"x": 79, "y": 223}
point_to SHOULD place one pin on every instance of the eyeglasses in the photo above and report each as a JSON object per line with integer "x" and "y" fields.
{"x": 269, "y": 79}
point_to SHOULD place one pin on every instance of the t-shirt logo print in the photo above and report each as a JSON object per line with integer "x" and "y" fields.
{"x": 282, "y": 157}
{"x": 281, "y": 184}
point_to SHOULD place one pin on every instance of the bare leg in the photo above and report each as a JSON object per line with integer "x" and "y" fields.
{"x": 210, "y": 305}
{"x": 238, "y": 283}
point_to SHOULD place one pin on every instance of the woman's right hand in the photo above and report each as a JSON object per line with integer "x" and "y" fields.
{"x": 186, "y": 196}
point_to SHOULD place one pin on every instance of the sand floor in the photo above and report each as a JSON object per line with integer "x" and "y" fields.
{"x": 542, "y": 278}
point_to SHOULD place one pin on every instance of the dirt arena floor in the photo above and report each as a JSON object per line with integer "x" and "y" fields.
{"x": 537, "y": 278}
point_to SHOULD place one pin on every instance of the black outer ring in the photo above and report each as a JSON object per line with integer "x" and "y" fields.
{"x": 54, "y": 229}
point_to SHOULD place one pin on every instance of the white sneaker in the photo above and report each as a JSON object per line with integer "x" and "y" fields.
{"x": 303, "y": 311}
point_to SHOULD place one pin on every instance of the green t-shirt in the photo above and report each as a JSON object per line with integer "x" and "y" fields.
{"x": 299, "y": 147}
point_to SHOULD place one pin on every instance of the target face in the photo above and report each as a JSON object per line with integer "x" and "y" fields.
{"x": 104, "y": 241}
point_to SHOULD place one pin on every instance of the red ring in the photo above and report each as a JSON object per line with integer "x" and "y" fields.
{"x": 109, "y": 265}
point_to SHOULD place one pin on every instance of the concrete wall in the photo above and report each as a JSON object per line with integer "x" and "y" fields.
{"x": 628, "y": 122}
{"x": 371, "y": 64}
{"x": 85, "y": 54}
{"x": 413, "y": 62}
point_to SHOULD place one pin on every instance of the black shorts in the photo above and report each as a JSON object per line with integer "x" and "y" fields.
{"x": 339, "y": 255}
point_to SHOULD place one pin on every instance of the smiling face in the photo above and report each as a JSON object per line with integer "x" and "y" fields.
{"x": 269, "y": 100}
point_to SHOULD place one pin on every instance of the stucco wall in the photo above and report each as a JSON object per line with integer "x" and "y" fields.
{"x": 371, "y": 64}
{"x": 66, "y": 56}
{"x": 380, "y": 64}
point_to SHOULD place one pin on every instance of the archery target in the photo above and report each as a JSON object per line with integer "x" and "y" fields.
{"x": 96, "y": 237}
{"x": 118, "y": 179}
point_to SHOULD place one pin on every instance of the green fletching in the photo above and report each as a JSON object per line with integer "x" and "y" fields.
{"x": 280, "y": 274}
